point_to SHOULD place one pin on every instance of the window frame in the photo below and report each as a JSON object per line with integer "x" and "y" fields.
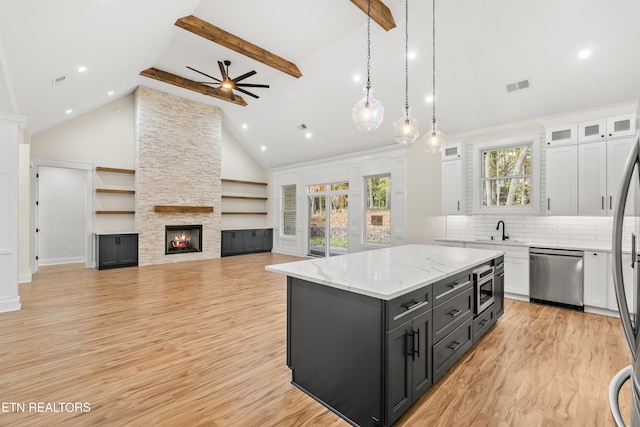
{"x": 366, "y": 243}
{"x": 477, "y": 179}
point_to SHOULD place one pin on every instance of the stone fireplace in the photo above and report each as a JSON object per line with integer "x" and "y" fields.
{"x": 180, "y": 239}
{"x": 177, "y": 180}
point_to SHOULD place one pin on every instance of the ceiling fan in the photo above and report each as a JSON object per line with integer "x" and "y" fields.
{"x": 227, "y": 83}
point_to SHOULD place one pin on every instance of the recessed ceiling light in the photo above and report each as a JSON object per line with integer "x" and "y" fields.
{"x": 110, "y": 93}
{"x": 82, "y": 69}
{"x": 245, "y": 127}
{"x": 357, "y": 78}
{"x": 69, "y": 111}
{"x": 584, "y": 54}
{"x": 263, "y": 148}
{"x": 412, "y": 55}
{"x": 308, "y": 134}
{"x": 429, "y": 99}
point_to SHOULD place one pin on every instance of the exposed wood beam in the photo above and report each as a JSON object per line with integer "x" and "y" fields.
{"x": 379, "y": 12}
{"x": 182, "y": 82}
{"x": 235, "y": 43}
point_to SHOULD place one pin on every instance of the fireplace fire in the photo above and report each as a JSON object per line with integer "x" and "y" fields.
{"x": 183, "y": 238}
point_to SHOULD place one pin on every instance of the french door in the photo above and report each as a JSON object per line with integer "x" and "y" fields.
{"x": 328, "y": 220}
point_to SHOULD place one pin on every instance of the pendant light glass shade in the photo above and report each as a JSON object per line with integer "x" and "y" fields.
{"x": 405, "y": 129}
{"x": 433, "y": 140}
{"x": 368, "y": 112}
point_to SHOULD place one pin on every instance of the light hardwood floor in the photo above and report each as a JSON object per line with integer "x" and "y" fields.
{"x": 203, "y": 344}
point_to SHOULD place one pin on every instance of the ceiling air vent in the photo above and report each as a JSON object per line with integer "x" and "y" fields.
{"x": 302, "y": 127}
{"x": 59, "y": 80}
{"x": 522, "y": 84}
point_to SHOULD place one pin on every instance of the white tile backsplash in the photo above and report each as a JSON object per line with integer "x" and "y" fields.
{"x": 570, "y": 230}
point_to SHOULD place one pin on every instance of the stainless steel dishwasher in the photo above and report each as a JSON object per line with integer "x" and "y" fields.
{"x": 556, "y": 277}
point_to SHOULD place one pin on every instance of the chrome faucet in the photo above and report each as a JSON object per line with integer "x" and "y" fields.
{"x": 504, "y": 236}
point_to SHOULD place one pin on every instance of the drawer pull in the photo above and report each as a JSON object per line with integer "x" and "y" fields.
{"x": 411, "y": 304}
{"x": 454, "y": 346}
{"x": 484, "y": 322}
{"x": 454, "y": 313}
{"x": 456, "y": 285}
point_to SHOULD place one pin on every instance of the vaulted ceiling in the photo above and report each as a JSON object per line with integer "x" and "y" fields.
{"x": 481, "y": 47}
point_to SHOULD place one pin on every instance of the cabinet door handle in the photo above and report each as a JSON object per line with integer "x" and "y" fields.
{"x": 408, "y": 340}
{"x": 416, "y": 347}
{"x": 458, "y": 205}
{"x": 548, "y": 203}
{"x": 610, "y": 202}
{"x": 454, "y": 313}
{"x": 411, "y": 304}
{"x": 602, "y": 202}
{"x": 454, "y": 346}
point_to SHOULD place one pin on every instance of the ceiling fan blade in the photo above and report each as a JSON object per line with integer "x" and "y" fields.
{"x": 200, "y": 72}
{"x": 248, "y": 93}
{"x": 250, "y": 85}
{"x": 244, "y": 76}
{"x": 223, "y": 71}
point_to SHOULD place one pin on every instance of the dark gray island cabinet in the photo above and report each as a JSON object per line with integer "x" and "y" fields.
{"x": 369, "y": 333}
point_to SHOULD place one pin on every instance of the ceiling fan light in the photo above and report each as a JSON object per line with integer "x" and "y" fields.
{"x": 433, "y": 140}
{"x": 405, "y": 129}
{"x": 368, "y": 113}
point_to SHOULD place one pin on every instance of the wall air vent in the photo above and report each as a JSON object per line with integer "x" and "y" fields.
{"x": 59, "y": 80}
{"x": 522, "y": 84}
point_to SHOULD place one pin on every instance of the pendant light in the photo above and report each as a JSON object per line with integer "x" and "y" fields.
{"x": 405, "y": 129}
{"x": 432, "y": 141}
{"x": 368, "y": 112}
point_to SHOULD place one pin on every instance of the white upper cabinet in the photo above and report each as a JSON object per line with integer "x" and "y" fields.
{"x": 560, "y": 135}
{"x": 620, "y": 126}
{"x": 452, "y": 151}
{"x": 592, "y": 179}
{"x": 617, "y": 152}
{"x": 594, "y": 130}
{"x": 454, "y": 191}
{"x": 562, "y": 180}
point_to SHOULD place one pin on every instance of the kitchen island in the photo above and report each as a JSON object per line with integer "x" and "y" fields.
{"x": 369, "y": 332}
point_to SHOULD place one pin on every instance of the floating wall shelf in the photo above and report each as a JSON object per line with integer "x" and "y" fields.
{"x": 243, "y": 213}
{"x": 116, "y": 170}
{"x": 183, "y": 209}
{"x": 113, "y": 191}
{"x": 236, "y": 181}
{"x": 116, "y": 212}
{"x": 244, "y": 197}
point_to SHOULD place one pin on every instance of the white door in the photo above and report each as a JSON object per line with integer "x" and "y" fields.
{"x": 452, "y": 201}
{"x": 592, "y": 178}
{"x": 562, "y": 180}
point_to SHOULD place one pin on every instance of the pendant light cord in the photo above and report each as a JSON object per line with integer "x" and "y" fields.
{"x": 406, "y": 59}
{"x": 434, "y": 63}
{"x": 368, "y": 48}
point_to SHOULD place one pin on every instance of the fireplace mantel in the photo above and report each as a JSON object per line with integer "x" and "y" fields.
{"x": 182, "y": 209}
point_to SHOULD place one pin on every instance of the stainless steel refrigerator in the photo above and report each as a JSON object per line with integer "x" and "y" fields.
{"x": 625, "y": 229}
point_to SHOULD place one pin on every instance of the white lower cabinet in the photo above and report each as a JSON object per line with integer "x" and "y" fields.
{"x": 596, "y": 279}
{"x": 516, "y": 266}
{"x": 627, "y": 276}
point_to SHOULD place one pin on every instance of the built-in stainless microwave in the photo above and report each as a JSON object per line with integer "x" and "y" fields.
{"x": 484, "y": 287}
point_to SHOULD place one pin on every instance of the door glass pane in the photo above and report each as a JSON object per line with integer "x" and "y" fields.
{"x": 591, "y": 130}
{"x": 317, "y": 225}
{"x": 339, "y": 225}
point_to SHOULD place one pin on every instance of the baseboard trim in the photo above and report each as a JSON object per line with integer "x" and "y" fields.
{"x": 58, "y": 261}
{"x": 24, "y": 278}
{"x": 12, "y": 304}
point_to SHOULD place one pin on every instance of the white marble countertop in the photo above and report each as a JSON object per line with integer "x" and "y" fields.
{"x": 590, "y": 247}
{"x": 386, "y": 273}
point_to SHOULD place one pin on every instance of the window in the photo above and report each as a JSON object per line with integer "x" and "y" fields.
{"x": 506, "y": 177}
{"x": 378, "y": 210}
{"x": 289, "y": 210}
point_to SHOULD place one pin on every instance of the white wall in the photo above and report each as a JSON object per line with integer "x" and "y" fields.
{"x": 238, "y": 164}
{"x": 352, "y": 168}
{"x": 61, "y": 221}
